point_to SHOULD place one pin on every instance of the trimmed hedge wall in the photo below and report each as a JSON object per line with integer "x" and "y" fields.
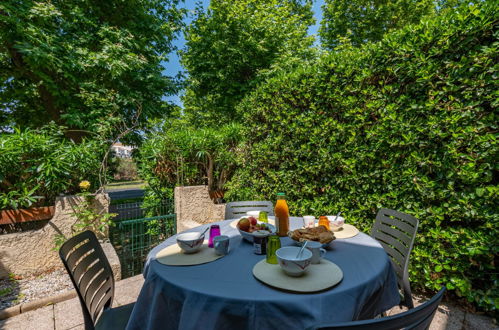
{"x": 408, "y": 123}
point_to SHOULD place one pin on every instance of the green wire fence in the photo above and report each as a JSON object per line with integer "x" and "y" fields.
{"x": 139, "y": 236}
{"x": 134, "y": 234}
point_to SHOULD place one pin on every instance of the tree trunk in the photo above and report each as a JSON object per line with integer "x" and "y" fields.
{"x": 75, "y": 135}
{"x": 210, "y": 172}
{"x": 47, "y": 99}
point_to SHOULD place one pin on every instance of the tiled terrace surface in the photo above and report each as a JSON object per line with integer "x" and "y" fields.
{"x": 67, "y": 315}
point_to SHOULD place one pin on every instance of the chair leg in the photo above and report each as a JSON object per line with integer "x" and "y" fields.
{"x": 407, "y": 301}
{"x": 406, "y": 289}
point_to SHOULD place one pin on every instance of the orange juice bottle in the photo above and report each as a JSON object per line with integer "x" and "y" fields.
{"x": 281, "y": 215}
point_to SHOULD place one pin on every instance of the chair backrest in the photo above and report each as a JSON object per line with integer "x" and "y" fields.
{"x": 238, "y": 209}
{"x": 90, "y": 273}
{"x": 396, "y": 232}
{"x": 418, "y": 318}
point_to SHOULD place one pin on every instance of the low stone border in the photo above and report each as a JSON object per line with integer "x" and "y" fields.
{"x": 31, "y": 252}
{"x": 23, "y": 308}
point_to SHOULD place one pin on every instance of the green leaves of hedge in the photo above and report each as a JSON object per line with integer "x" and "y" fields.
{"x": 408, "y": 123}
{"x": 369, "y": 20}
{"x": 43, "y": 164}
{"x": 179, "y": 154}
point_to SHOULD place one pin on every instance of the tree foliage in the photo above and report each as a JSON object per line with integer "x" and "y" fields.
{"x": 83, "y": 64}
{"x": 361, "y": 21}
{"x": 231, "y": 43}
{"x": 408, "y": 123}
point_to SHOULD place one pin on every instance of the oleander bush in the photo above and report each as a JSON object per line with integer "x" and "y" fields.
{"x": 38, "y": 165}
{"x": 178, "y": 154}
{"x": 408, "y": 123}
{"x": 123, "y": 169}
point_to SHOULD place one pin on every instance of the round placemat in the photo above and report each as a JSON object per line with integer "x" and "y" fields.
{"x": 346, "y": 231}
{"x": 173, "y": 256}
{"x": 317, "y": 277}
{"x": 233, "y": 224}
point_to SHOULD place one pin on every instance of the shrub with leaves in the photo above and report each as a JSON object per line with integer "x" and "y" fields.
{"x": 89, "y": 216}
{"x": 123, "y": 169}
{"x": 361, "y": 21}
{"x": 38, "y": 165}
{"x": 90, "y": 219}
{"x": 408, "y": 123}
{"x": 181, "y": 155}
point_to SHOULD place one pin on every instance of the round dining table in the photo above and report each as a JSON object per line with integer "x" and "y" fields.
{"x": 224, "y": 294}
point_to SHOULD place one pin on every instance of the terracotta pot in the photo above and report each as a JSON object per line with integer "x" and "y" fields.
{"x": 25, "y": 215}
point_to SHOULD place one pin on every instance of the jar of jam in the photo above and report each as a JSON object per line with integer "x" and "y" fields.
{"x": 324, "y": 221}
{"x": 260, "y": 239}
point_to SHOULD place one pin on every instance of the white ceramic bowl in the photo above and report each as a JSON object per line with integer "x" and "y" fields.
{"x": 249, "y": 236}
{"x": 335, "y": 224}
{"x": 190, "y": 242}
{"x": 286, "y": 256}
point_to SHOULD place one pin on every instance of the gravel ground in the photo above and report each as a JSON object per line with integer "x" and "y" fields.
{"x": 23, "y": 290}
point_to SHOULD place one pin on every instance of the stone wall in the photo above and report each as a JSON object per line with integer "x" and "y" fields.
{"x": 194, "y": 207}
{"x": 33, "y": 252}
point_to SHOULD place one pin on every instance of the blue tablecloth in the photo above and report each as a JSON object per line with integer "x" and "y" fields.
{"x": 224, "y": 294}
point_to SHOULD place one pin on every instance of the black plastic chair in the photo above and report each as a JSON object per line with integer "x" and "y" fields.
{"x": 238, "y": 209}
{"x": 396, "y": 232}
{"x": 418, "y": 318}
{"x": 92, "y": 277}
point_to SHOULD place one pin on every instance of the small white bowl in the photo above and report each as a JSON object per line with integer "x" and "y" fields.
{"x": 292, "y": 266}
{"x": 190, "y": 242}
{"x": 335, "y": 224}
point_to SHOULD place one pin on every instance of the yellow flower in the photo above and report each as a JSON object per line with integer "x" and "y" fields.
{"x": 84, "y": 185}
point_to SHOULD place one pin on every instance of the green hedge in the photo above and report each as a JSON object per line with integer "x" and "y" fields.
{"x": 179, "y": 154}
{"x": 42, "y": 163}
{"x": 408, "y": 123}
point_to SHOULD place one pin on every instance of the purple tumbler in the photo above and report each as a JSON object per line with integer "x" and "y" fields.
{"x": 214, "y": 232}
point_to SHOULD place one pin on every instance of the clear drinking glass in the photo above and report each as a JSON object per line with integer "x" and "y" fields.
{"x": 214, "y": 232}
{"x": 308, "y": 221}
{"x": 262, "y": 217}
{"x": 273, "y": 245}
